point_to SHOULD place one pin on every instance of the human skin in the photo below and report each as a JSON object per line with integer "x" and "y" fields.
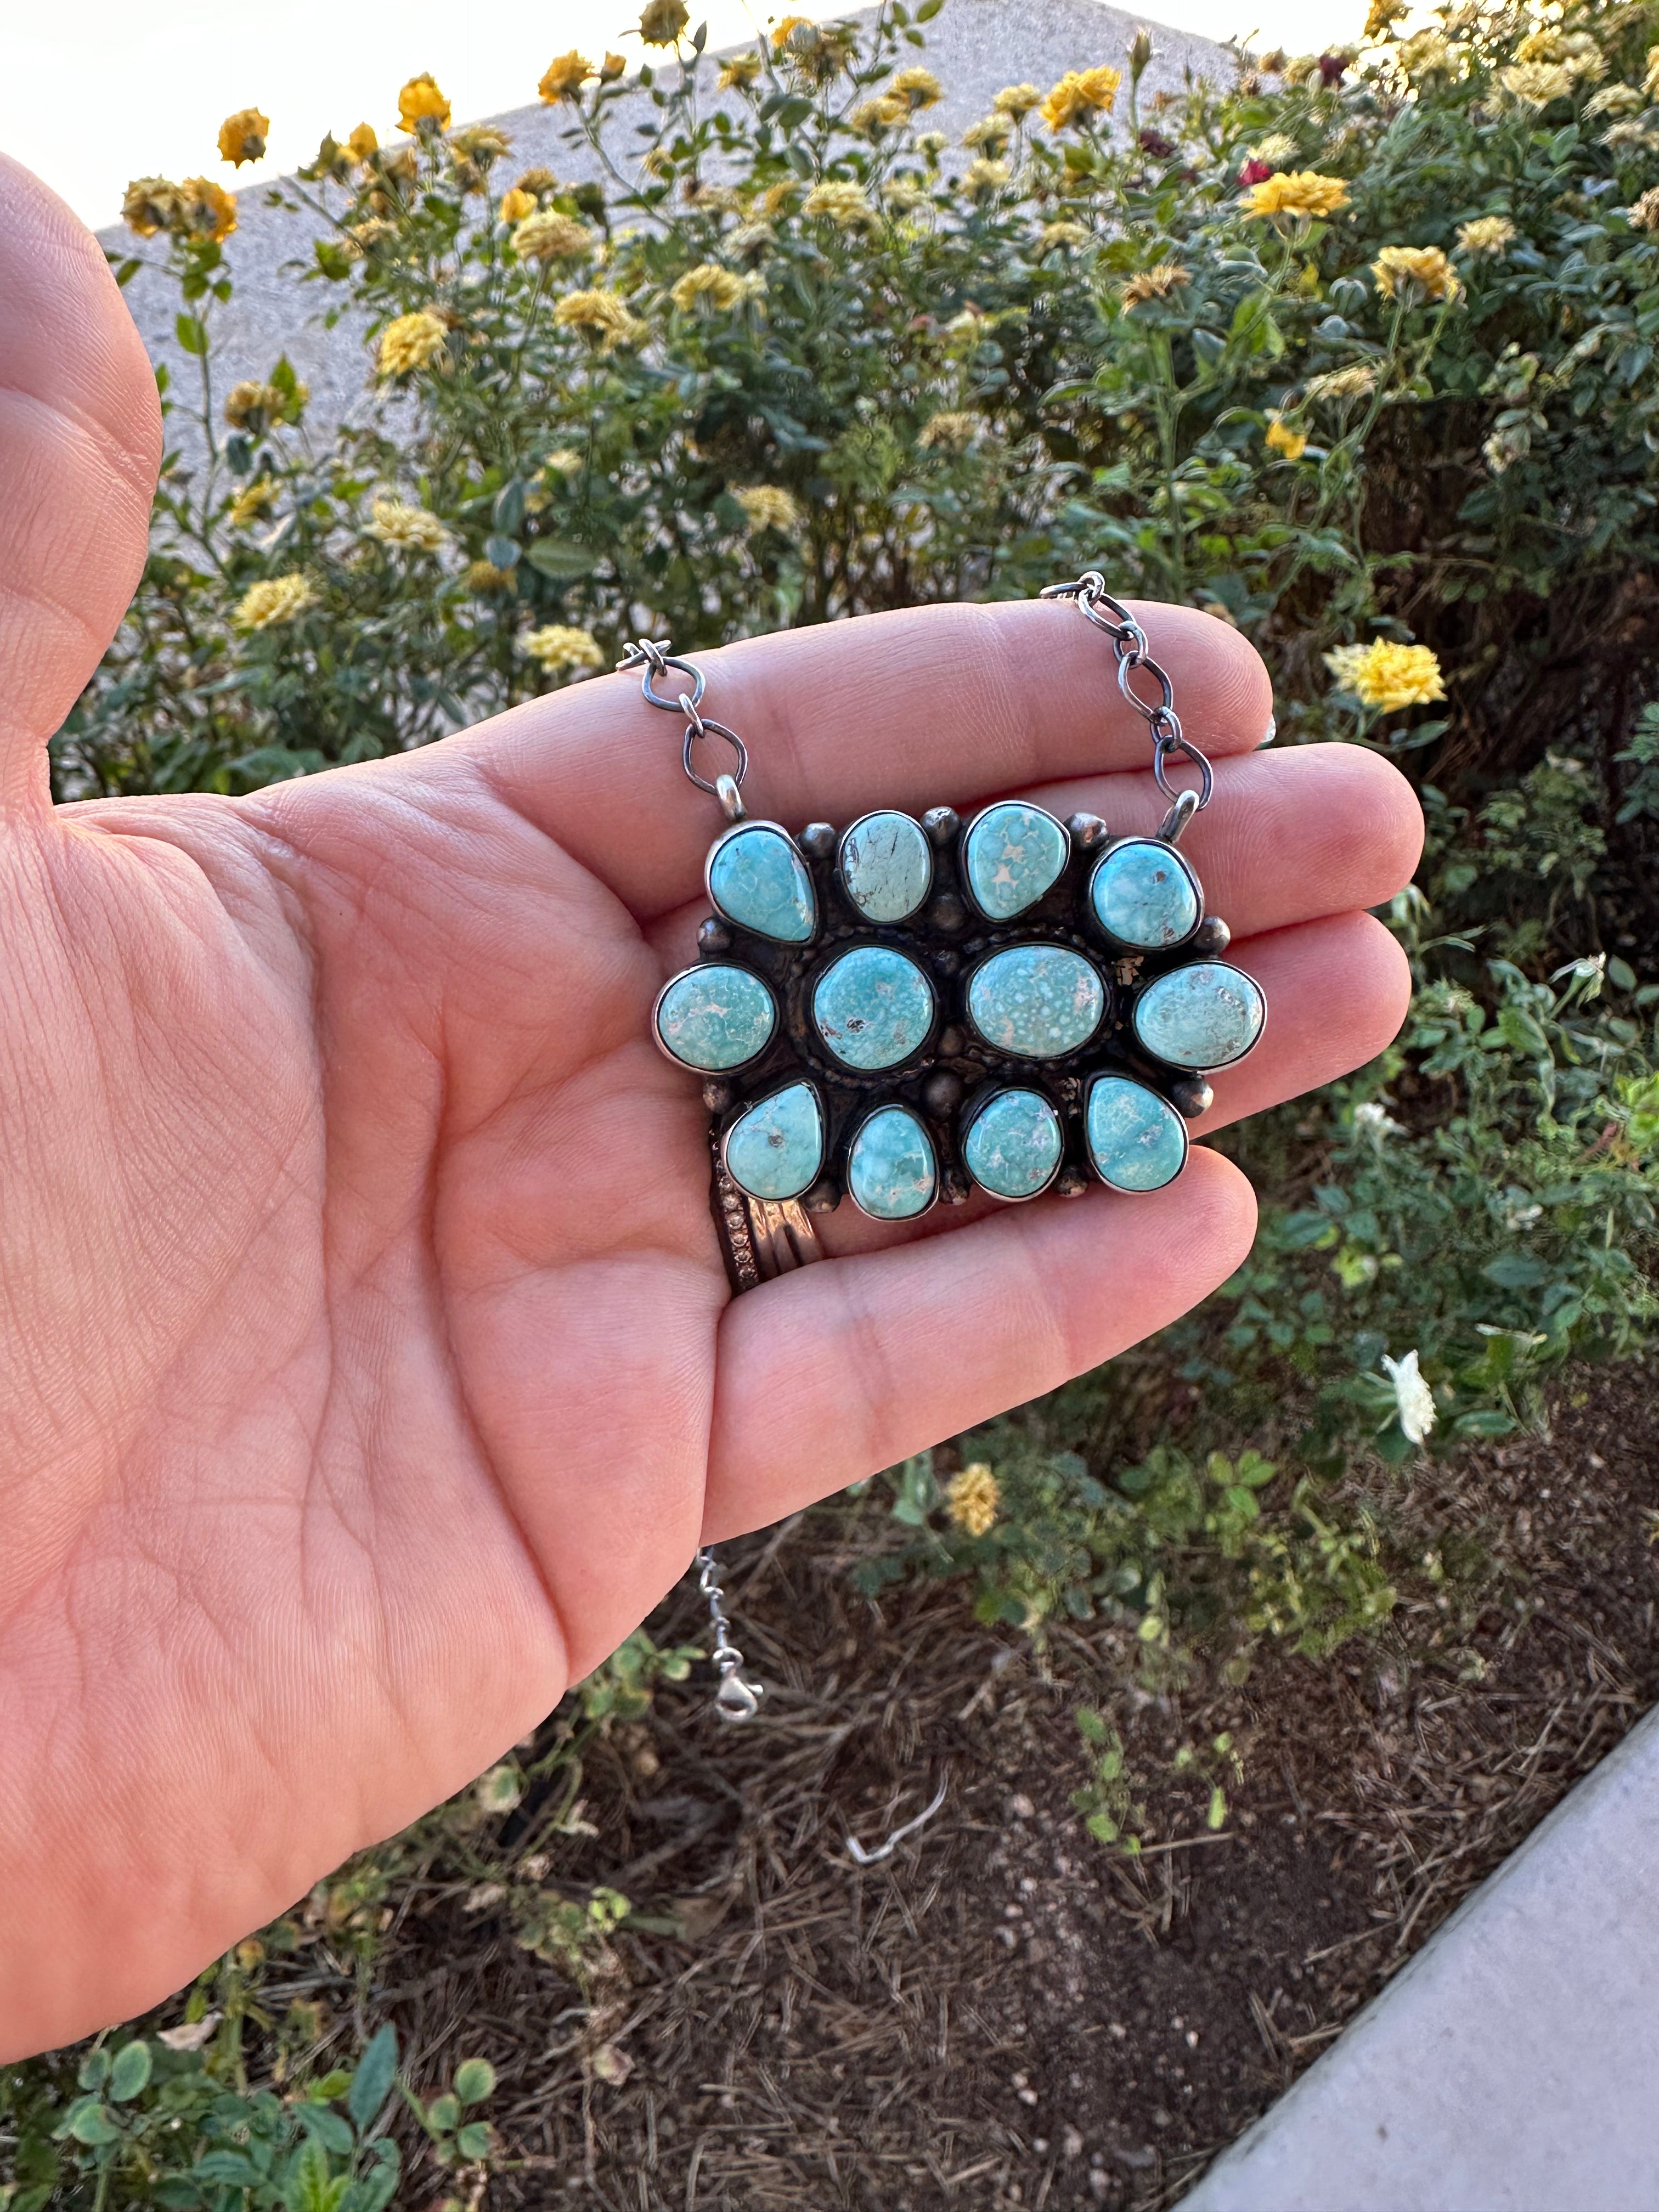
{"x": 368, "y": 1368}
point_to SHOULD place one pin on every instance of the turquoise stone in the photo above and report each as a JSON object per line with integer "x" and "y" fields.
{"x": 776, "y": 1149}
{"x": 1136, "y": 1140}
{"x": 1036, "y": 1001}
{"x": 1012, "y": 854}
{"x": 714, "y": 1018}
{"x": 1144, "y": 894}
{"x": 758, "y": 880}
{"x": 887, "y": 866}
{"x": 890, "y": 1170}
{"x": 873, "y": 1007}
{"x": 1012, "y": 1148}
{"x": 1202, "y": 1015}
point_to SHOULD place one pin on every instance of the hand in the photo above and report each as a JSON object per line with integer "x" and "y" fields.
{"x": 367, "y": 1364}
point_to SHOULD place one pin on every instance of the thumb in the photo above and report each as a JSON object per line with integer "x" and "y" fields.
{"x": 80, "y": 444}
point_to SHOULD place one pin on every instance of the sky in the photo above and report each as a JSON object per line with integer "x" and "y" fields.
{"x": 94, "y": 93}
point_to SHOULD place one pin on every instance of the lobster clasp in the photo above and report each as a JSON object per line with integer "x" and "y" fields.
{"x": 738, "y": 1698}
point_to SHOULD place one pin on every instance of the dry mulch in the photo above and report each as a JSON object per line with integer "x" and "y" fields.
{"x": 1004, "y": 2012}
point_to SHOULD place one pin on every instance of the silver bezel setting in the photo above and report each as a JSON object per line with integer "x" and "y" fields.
{"x": 891, "y": 1106}
{"x": 1129, "y": 1190}
{"x": 1124, "y": 945}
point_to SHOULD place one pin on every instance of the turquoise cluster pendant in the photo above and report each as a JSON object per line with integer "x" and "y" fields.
{"x": 911, "y": 1010}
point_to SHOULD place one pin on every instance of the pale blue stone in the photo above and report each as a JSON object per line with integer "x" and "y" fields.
{"x": 1136, "y": 1140}
{"x": 1202, "y": 1015}
{"x": 1012, "y": 855}
{"x": 776, "y": 1149}
{"x": 890, "y": 1170}
{"x": 1145, "y": 896}
{"x": 1036, "y": 1001}
{"x": 887, "y": 865}
{"x": 715, "y": 1016}
{"x": 873, "y": 1007}
{"x": 1013, "y": 1146}
{"x": 758, "y": 880}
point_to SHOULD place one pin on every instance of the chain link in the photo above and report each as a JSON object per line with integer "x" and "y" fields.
{"x": 656, "y": 659}
{"x": 1129, "y": 643}
{"x": 737, "y": 1697}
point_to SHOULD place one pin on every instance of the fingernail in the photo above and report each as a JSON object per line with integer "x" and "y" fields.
{"x": 1269, "y": 733}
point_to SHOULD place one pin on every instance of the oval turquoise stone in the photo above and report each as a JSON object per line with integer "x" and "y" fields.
{"x": 873, "y": 1007}
{"x": 1011, "y": 855}
{"x": 776, "y": 1149}
{"x": 887, "y": 865}
{"x": 890, "y": 1170}
{"x": 1036, "y": 1001}
{"x": 1202, "y": 1015}
{"x": 1144, "y": 894}
{"x": 1013, "y": 1147}
{"x": 715, "y": 1017}
{"x": 758, "y": 880}
{"x": 1136, "y": 1140}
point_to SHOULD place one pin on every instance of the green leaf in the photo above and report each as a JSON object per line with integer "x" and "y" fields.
{"x": 191, "y": 334}
{"x": 371, "y": 2082}
{"x": 559, "y": 559}
{"x": 95, "y": 2070}
{"x": 91, "y": 2124}
{"x": 1516, "y": 1271}
{"x": 131, "y": 2071}
{"x": 231, "y": 2168}
{"x": 475, "y": 2080}
{"x": 444, "y": 2113}
{"x": 474, "y": 2140}
{"x": 1217, "y": 1815}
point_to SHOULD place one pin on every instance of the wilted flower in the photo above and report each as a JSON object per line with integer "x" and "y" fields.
{"x": 564, "y": 76}
{"x": 1300, "y": 193}
{"x": 604, "y": 313}
{"x": 151, "y": 204}
{"x": 204, "y": 209}
{"x": 917, "y": 88}
{"x": 251, "y": 502}
{"x": 983, "y": 176}
{"x": 768, "y": 506}
{"x": 1537, "y": 83}
{"x": 708, "y": 284}
{"x": 274, "y": 600}
{"x": 242, "y": 137}
{"x": 1383, "y": 14}
{"x": 485, "y": 576}
{"x": 1388, "y": 676}
{"x": 841, "y": 202}
{"x": 971, "y": 1499}
{"x": 1081, "y": 93}
{"x": 1285, "y": 437}
{"x": 1486, "y": 233}
{"x": 1340, "y": 384}
{"x": 1412, "y": 1398}
{"x": 1644, "y": 214}
{"x": 783, "y": 32}
{"x": 740, "y": 70}
{"x": 362, "y": 143}
{"x": 410, "y": 342}
{"x": 365, "y": 235}
{"x": 1016, "y": 101}
{"x": 559, "y": 647}
{"x": 250, "y": 405}
{"x": 422, "y": 101}
{"x": 1411, "y": 274}
{"x": 546, "y": 235}
{"x": 1613, "y": 100}
{"x": 1157, "y": 282}
{"x": 662, "y": 21}
{"x": 1064, "y": 232}
{"x": 516, "y": 205}
{"x": 395, "y": 522}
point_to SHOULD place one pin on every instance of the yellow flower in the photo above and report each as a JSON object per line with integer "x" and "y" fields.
{"x": 1285, "y": 437}
{"x": 485, "y": 576}
{"x": 752, "y": 237}
{"x": 1275, "y": 149}
{"x": 564, "y": 461}
{"x": 768, "y": 506}
{"x": 1387, "y": 676}
{"x": 1487, "y": 234}
{"x": 362, "y": 143}
{"x": 786, "y": 29}
{"x": 1651, "y": 82}
{"x": 369, "y": 233}
{"x": 250, "y": 404}
{"x": 741, "y": 71}
{"x": 564, "y": 76}
{"x": 397, "y": 523}
{"x": 1081, "y": 93}
{"x": 410, "y": 342}
{"x": 1644, "y": 214}
{"x": 242, "y": 137}
{"x": 971, "y": 1499}
{"x": 1427, "y": 53}
{"x": 1384, "y": 14}
{"x": 152, "y": 204}
{"x": 1016, "y": 101}
{"x": 843, "y": 203}
{"x": 983, "y": 176}
{"x": 1537, "y": 83}
{"x": 1299, "y": 192}
{"x": 482, "y": 143}
{"x": 544, "y": 235}
{"x": 1341, "y": 383}
{"x": 537, "y": 180}
{"x": 1613, "y": 100}
{"x": 992, "y": 131}
{"x": 559, "y": 647}
{"x": 1156, "y": 283}
{"x": 613, "y": 67}
{"x": 604, "y": 314}
{"x": 711, "y": 285}
{"x": 904, "y": 193}
{"x": 952, "y": 431}
{"x": 1064, "y": 232}
{"x": 517, "y": 205}
{"x": 420, "y": 101}
{"x": 917, "y": 88}
{"x": 662, "y": 21}
{"x": 274, "y": 600}
{"x": 871, "y": 116}
{"x": 251, "y": 502}
{"x": 208, "y": 209}
{"x": 1413, "y": 274}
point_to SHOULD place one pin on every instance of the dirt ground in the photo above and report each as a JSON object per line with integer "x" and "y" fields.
{"x": 1004, "y": 2012}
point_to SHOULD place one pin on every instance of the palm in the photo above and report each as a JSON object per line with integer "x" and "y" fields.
{"x": 368, "y": 1365}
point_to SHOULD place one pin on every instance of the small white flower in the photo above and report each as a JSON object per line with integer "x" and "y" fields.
{"x": 191, "y": 2036}
{"x": 1412, "y": 1395}
{"x": 1376, "y": 1120}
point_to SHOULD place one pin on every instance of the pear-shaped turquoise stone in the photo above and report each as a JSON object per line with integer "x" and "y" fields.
{"x": 887, "y": 865}
{"x": 873, "y": 1007}
{"x": 1036, "y": 1001}
{"x": 1013, "y": 1147}
{"x": 1144, "y": 894}
{"x": 715, "y": 1016}
{"x": 1011, "y": 855}
{"x": 776, "y": 1149}
{"x": 758, "y": 880}
{"x": 1203, "y": 1016}
{"x": 1136, "y": 1140}
{"x": 890, "y": 1170}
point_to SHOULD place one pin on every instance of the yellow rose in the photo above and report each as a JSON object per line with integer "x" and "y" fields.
{"x": 516, "y": 205}
{"x": 662, "y": 21}
{"x": 362, "y": 144}
{"x": 1487, "y": 234}
{"x": 1644, "y": 214}
{"x": 395, "y": 522}
{"x": 1302, "y": 193}
{"x": 274, "y": 600}
{"x": 410, "y": 342}
{"x": 972, "y": 1499}
{"x": 251, "y": 504}
{"x": 1080, "y": 94}
{"x": 207, "y": 208}
{"x": 242, "y": 137}
{"x": 1016, "y": 101}
{"x": 546, "y": 235}
{"x": 843, "y": 202}
{"x": 151, "y": 204}
{"x": 719, "y": 288}
{"x": 1155, "y": 283}
{"x": 604, "y": 315}
{"x": 420, "y": 101}
{"x": 1413, "y": 274}
{"x": 564, "y": 76}
{"x": 560, "y": 646}
{"x": 768, "y": 506}
{"x": 1285, "y": 437}
{"x": 1387, "y": 676}
{"x": 917, "y": 88}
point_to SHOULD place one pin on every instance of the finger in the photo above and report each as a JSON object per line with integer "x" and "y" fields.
{"x": 933, "y": 706}
{"x": 829, "y": 1374}
{"x": 80, "y": 444}
{"x": 1314, "y": 829}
